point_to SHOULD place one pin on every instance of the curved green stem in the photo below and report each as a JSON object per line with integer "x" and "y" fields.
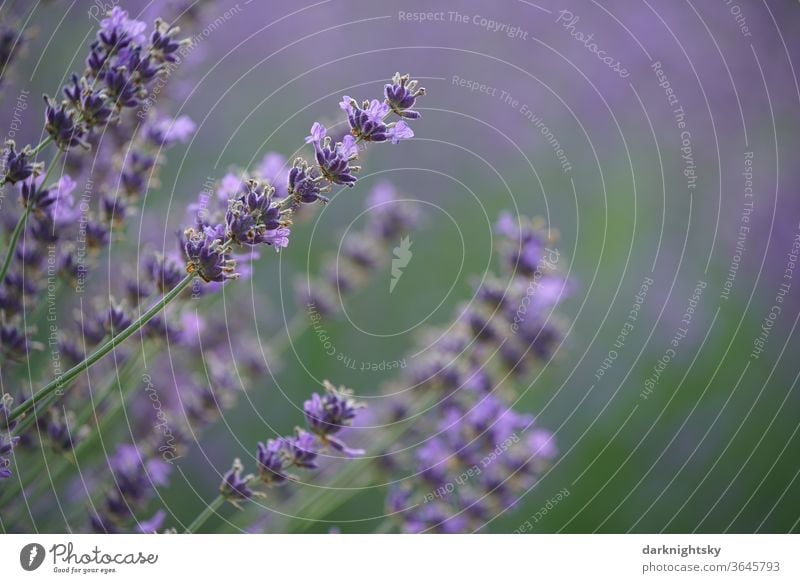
{"x": 12, "y": 243}
{"x": 61, "y": 383}
{"x": 201, "y": 518}
{"x": 42, "y": 145}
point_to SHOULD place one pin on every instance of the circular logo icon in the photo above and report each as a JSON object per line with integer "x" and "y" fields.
{"x": 31, "y": 556}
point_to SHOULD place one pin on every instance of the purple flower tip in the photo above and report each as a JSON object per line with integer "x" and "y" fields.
{"x": 318, "y": 133}
{"x": 400, "y": 131}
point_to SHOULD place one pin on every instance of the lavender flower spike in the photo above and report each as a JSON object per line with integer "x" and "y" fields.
{"x": 234, "y": 486}
{"x": 208, "y": 255}
{"x": 334, "y": 160}
{"x": 401, "y": 95}
{"x": 330, "y": 413}
{"x": 18, "y": 165}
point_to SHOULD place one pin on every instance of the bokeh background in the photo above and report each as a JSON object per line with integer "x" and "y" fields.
{"x": 713, "y": 446}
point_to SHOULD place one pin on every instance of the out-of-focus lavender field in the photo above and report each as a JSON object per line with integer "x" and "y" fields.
{"x": 657, "y": 144}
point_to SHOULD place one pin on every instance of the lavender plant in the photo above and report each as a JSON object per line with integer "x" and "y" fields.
{"x": 452, "y": 445}
{"x": 104, "y": 110}
{"x": 479, "y": 455}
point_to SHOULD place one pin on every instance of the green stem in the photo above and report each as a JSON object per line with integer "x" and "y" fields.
{"x": 62, "y": 382}
{"x": 42, "y": 145}
{"x": 209, "y": 510}
{"x": 12, "y": 244}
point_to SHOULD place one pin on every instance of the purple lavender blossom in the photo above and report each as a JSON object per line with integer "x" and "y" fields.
{"x": 318, "y": 133}
{"x": 482, "y": 454}
{"x": 208, "y": 255}
{"x": 301, "y": 450}
{"x": 399, "y": 132}
{"x": 305, "y": 183}
{"x": 367, "y": 121}
{"x": 166, "y": 131}
{"x": 401, "y": 95}
{"x": 60, "y": 124}
{"x": 271, "y": 462}
{"x": 234, "y": 486}
{"x": 18, "y": 165}
{"x": 328, "y": 414}
{"x": 254, "y": 219}
{"x": 117, "y": 30}
{"x": 334, "y": 160}
{"x": 7, "y": 442}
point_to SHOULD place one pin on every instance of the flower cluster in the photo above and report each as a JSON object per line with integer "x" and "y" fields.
{"x": 135, "y": 475}
{"x": 258, "y": 214}
{"x": 122, "y": 64}
{"x": 127, "y": 155}
{"x": 368, "y": 123}
{"x": 108, "y": 109}
{"x": 480, "y": 454}
{"x": 325, "y": 416}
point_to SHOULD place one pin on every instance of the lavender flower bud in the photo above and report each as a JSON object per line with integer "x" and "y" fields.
{"x": 334, "y": 159}
{"x": 116, "y": 320}
{"x": 366, "y": 122}
{"x": 401, "y": 95}
{"x": 208, "y": 255}
{"x": 305, "y": 184}
{"x": 164, "y": 272}
{"x": 328, "y": 414}
{"x": 234, "y": 486}
{"x": 121, "y": 88}
{"x": 162, "y": 42}
{"x": 61, "y": 125}
{"x": 301, "y": 450}
{"x": 253, "y": 218}
{"x": 18, "y": 165}
{"x": 7, "y": 442}
{"x": 270, "y": 462}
